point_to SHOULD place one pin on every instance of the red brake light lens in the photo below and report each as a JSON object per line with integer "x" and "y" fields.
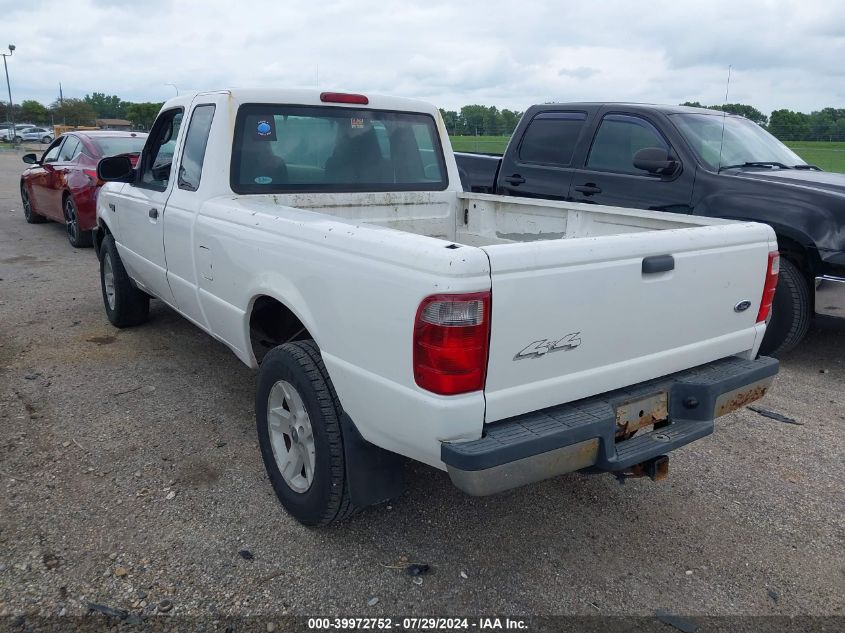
{"x": 343, "y": 97}
{"x": 451, "y": 343}
{"x": 769, "y": 287}
{"x": 92, "y": 174}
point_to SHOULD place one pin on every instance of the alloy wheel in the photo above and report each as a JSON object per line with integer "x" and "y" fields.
{"x": 71, "y": 221}
{"x": 291, "y": 436}
{"x": 108, "y": 280}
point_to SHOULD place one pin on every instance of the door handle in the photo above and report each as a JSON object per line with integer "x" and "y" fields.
{"x": 658, "y": 264}
{"x": 516, "y": 179}
{"x": 588, "y": 189}
{"x": 153, "y": 213}
{"x": 112, "y": 207}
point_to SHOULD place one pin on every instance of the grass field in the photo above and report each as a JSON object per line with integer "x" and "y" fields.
{"x": 830, "y": 156}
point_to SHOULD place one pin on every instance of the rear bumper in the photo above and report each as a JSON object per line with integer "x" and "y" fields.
{"x": 582, "y": 434}
{"x": 830, "y": 296}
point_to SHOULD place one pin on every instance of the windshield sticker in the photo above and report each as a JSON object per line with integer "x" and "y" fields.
{"x": 357, "y": 123}
{"x": 265, "y": 130}
{"x": 263, "y": 180}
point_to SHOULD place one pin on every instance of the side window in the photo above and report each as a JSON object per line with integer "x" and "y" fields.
{"x": 52, "y": 153}
{"x": 70, "y": 149}
{"x": 619, "y": 137}
{"x": 157, "y": 157}
{"x": 193, "y": 154}
{"x": 551, "y": 137}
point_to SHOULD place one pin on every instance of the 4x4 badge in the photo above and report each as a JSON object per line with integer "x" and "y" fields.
{"x": 545, "y": 346}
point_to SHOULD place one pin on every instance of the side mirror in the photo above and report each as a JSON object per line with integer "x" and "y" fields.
{"x": 30, "y": 159}
{"x": 655, "y": 160}
{"x": 115, "y": 169}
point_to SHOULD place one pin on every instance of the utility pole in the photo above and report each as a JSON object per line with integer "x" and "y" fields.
{"x": 9, "y": 88}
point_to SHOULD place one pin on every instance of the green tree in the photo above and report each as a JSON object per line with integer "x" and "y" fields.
{"x": 71, "y": 111}
{"x": 142, "y": 115}
{"x": 107, "y": 106}
{"x": 510, "y": 120}
{"x": 450, "y": 120}
{"x": 472, "y": 119}
{"x": 5, "y": 114}
{"x": 789, "y": 126}
{"x": 34, "y": 112}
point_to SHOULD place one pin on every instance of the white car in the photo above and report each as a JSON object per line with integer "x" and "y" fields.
{"x": 326, "y": 240}
{"x": 7, "y": 135}
{"x": 37, "y": 134}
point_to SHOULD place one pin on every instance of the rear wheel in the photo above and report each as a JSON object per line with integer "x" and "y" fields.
{"x": 791, "y": 311}
{"x": 298, "y": 421}
{"x": 75, "y": 235}
{"x": 31, "y": 216}
{"x": 46, "y": 139}
{"x": 125, "y": 304}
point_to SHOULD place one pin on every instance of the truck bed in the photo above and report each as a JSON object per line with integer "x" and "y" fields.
{"x": 474, "y": 219}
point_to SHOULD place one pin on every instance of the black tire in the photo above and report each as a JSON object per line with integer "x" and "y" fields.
{"x": 17, "y": 140}
{"x": 75, "y": 235}
{"x": 129, "y": 306}
{"x": 327, "y": 498}
{"x": 791, "y": 313}
{"x": 46, "y": 139}
{"x": 31, "y": 216}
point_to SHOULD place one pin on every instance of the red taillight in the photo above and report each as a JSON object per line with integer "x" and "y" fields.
{"x": 769, "y": 287}
{"x": 451, "y": 341}
{"x": 92, "y": 174}
{"x": 343, "y": 97}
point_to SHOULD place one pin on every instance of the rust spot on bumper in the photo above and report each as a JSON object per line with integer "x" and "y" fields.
{"x": 741, "y": 397}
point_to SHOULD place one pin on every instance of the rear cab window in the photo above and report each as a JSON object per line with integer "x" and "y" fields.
{"x": 551, "y": 138}
{"x": 281, "y": 148}
{"x": 193, "y": 154}
{"x": 618, "y": 138}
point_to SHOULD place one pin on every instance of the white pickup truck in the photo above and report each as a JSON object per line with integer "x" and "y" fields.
{"x": 325, "y": 239}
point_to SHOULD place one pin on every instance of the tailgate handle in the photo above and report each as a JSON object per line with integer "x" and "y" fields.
{"x": 658, "y": 264}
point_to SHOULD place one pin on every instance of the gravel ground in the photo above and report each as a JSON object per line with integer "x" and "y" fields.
{"x": 130, "y": 476}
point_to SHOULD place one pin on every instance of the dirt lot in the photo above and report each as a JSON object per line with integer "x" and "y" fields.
{"x": 130, "y": 476}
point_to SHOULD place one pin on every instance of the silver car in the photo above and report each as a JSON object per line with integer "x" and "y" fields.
{"x": 37, "y": 134}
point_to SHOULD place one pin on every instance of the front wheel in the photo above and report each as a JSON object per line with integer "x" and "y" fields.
{"x": 791, "y": 311}
{"x": 125, "y": 304}
{"x": 298, "y": 421}
{"x": 75, "y": 235}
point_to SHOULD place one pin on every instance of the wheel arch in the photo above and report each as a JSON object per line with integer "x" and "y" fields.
{"x": 270, "y": 321}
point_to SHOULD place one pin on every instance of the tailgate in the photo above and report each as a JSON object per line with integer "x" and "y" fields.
{"x": 572, "y": 318}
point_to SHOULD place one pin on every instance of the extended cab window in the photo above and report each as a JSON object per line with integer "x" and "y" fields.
{"x": 157, "y": 158}
{"x": 620, "y": 136}
{"x": 195, "y": 143}
{"x": 321, "y": 148}
{"x": 551, "y": 137}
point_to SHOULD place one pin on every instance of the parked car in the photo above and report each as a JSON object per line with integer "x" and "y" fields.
{"x": 325, "y": 239}
{"x": 62, "y": 185}
{"x": 6, "y": 130}
{"x": 38, "y": 134}
{"x": 690, "y": 161}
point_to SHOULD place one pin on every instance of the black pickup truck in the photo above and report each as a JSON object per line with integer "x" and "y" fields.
{"x": 686, "y": 160}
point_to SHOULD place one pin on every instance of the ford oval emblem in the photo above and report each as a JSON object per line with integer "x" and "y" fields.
{"x": 742, "y": 306}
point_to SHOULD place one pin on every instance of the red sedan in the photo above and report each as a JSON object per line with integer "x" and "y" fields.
{"x": 63, "y": 185}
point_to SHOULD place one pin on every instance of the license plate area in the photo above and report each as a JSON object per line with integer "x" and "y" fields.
{"x": 640, "y": 413}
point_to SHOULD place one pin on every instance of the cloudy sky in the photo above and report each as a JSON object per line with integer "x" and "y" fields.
{"x": 509, "y": 54}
